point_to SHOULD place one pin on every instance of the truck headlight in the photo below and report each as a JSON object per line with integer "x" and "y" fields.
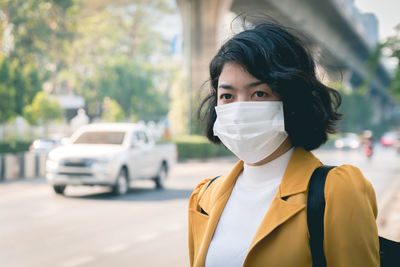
{"x": 52, "y": 164}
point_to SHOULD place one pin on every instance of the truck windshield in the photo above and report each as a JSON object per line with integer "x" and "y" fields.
{"x": 94, "y": 137}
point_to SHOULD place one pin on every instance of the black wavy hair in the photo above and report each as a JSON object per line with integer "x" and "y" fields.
{"x": 275, "y": 55}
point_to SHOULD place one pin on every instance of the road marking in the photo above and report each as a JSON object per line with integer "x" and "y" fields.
{"x": 115, "y": 248}
{"x": 78, "y": 261}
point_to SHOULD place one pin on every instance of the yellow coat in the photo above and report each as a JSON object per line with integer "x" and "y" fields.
{"x": 351, "y": 236}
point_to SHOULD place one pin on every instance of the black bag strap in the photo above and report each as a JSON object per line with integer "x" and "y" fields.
{"x": 315, "y": 214}
{"x": 389, "y": 250}
{"x": 213, "y": 179}
{"x": 208, "y": 185}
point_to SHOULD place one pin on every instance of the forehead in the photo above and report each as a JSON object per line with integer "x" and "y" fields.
{"x": 235, "y": 73}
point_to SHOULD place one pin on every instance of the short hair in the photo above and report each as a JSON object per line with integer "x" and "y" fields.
{"x": 275, "y": 55}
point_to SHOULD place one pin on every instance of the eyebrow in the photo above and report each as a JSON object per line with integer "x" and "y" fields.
{"x": 250, "y": 85}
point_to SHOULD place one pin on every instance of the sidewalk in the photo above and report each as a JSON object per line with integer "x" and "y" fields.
{"x": 389, "y": 213}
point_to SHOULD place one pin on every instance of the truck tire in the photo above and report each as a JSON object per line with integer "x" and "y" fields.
{"x": 121, "y": 186}
{"x": 59, "y": 189}
{"x": 161, "y": 176}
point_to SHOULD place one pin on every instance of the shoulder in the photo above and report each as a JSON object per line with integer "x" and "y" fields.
{"x": 200, "y": 188}
{"x": 347, "y": 184}
{"x": 347, "y": 179}
{"x": 207, "y": 185}
{"x": 350, "y": 231}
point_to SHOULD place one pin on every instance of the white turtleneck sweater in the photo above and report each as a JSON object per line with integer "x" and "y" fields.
{"x": 246, "y": 207}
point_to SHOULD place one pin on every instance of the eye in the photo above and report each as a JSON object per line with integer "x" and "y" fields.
{"x": 226, "y": 96}
{"x": 260, "y": 94}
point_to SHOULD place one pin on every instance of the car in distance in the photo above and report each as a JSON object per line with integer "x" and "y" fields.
{"x": 44, "y": 145}
{"x": 348, "y": 141}
{"x": 390, "y": 139}
{"x": 110, "y": 154}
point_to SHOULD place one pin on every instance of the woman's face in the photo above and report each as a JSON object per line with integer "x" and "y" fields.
{"x": 235, "y": 84}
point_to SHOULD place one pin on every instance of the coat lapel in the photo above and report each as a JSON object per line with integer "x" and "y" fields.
{"x": 294, "y": 181}
{"x": 213, "y": 203}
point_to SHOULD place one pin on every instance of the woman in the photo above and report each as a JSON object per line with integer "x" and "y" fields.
{"x": 267, "y": 106}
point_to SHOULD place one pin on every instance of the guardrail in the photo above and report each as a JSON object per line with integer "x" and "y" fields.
{"x": 21, "y": 166}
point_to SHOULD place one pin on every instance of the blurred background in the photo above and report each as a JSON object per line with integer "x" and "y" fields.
{"x": 140, "y": 69}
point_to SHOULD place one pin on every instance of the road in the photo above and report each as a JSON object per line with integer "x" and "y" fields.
{"x": 146, "y": 227}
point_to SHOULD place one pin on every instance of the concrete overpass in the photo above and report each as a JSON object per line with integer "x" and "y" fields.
{"x": 335, "y": 35}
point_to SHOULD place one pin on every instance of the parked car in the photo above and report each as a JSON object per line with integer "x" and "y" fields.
{"x": 110, "y": 154}
{"x": 348, "y": 140}
{"x": 390, "y": 139}
{"x": 44, "y": 145}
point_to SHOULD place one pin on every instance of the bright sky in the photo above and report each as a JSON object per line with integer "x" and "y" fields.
{"x": 387, "y": 12}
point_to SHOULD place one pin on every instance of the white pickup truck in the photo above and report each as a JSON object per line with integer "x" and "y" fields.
{"x": 110, "y": 154}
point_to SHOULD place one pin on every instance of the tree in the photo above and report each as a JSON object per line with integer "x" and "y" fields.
{"x": 7, "y": 92}
{"x": 132, "y": 87}
{"x": 357, "y": 110}
{"x": 33, "y": 82}
{"x": 7, "y": 103}
{"x": 19, "y": 84}
{"x": 39, "y": 27}
{"x": 22, "y": 83}
{"x": 40, "y": 33}
{"x": 372, "y": 64}
{"x": 47, "y": 46}
{"x": 112, "y": 112}
{"x": 392, "y": 45}
{"x": 114, "y": 35}
{"x": 43, "y": 110}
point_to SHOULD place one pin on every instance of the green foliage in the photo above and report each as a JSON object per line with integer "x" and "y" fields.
{"x": 357, "y": 112}
{"x": 18, "y": 85}
{"x": 76, "y": 45}
{"x": 132, "y": 87}
{"x": 39, "y": 28}
{"x": 7, "y": 101}
{"x": 395, "y": 85}
{"x": 43, "y": 109}
{"x": 112, "y": 112}
{"x": 117, "y": 51}
{"x": 40, "y": 31}
{"x": 381, "y": 127}
{"x": 372, "y": 65}
{"x": 392, "y": 45}
{"x": 14, "y": 146}
{"x": 33, "y": 82}
{"x": 7, "y": 93}
{"x": 196, "y": 146}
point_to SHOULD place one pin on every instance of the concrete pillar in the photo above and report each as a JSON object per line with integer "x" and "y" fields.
{"x": 21, "y": 163}
{"x": 42, "y": 165}
{"x": 200, "y": 19}
{"x": 30, "y": 165}
{"x": 12, "y": 167}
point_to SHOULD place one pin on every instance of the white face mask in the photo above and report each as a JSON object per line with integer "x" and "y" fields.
{"x": 251, "y": 130}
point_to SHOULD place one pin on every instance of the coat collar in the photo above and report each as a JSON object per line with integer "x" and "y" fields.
{"x": 302, "y": 163}
{"x": 295, "y": 180}
{"x": 298, "y": 172}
